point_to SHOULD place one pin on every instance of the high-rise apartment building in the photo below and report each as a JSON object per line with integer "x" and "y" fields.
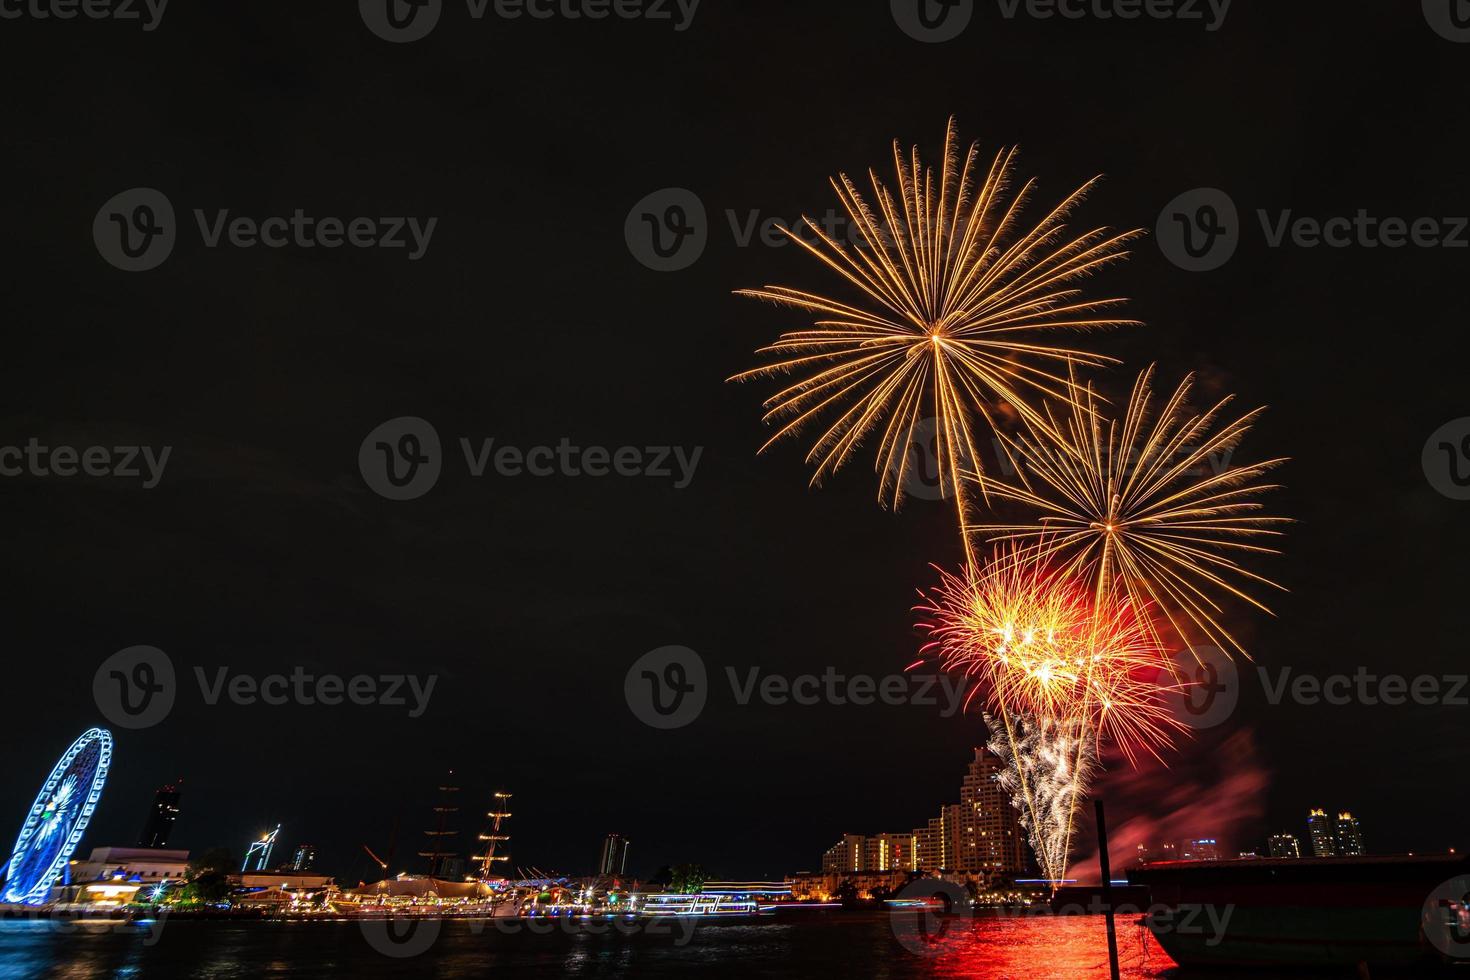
{"x": 614, "y": 857}
{"x": 1348, "y": 836}
{"x": 1284, "y": 846}
{"x": 1322, "y": 831}
{"x": 161, "y": 817}
{"x": 989, "y": 828}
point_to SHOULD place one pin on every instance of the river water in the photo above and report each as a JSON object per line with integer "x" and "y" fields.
{"x": 796, "y": 943}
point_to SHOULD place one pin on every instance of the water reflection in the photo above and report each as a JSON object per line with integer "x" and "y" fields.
{"x": 795, "y": 944}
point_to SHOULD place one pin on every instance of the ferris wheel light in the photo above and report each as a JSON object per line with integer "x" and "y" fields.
{"x": 57, "y": 819}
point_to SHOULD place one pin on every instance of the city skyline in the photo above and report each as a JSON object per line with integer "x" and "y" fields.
{"x": 940, "y": 840}
{"x": 261, "y": 551}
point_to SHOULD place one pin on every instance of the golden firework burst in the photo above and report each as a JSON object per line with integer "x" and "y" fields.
{"x": 1040, "y": 643}
{"x": 1154, "y": 505}
{"x": 954, "y": 302}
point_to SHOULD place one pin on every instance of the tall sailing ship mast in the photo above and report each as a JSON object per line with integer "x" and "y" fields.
{"x": 494, "y": 838}
{"x": 441, "y": 859}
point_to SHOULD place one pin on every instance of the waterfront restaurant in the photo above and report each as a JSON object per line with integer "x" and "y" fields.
{"x": 113, "y": 876}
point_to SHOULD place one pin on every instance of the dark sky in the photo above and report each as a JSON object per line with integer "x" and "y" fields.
{"x": 528, "y": 320}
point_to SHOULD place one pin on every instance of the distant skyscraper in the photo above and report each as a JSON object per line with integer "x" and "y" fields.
{"x": 878, "y": 852}
{"x": 1199, "y": 849}
{"x": 981, "y": 834}
{"x": 1322, "y": 830}
{"x": 888, "y": 852}
{"x": 845, "y": 855}
{"x": 1348, "y": 836}
{"x": 260, "y": 851}
{"x": 1284, "y": 846}
{"x": 304, "y": 859}
{"x": 161, "y": 818}
{"x": 989, "y": 828}
{"x": 934, "y": 842}
{"x": 614, "y": 859}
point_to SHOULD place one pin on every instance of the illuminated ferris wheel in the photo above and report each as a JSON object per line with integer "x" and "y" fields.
{"x": 56, "y": 821}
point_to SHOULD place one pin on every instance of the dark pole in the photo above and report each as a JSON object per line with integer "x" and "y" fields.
{"x": 1107, "y": 889}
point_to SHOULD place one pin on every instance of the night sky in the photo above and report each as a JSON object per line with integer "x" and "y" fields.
{"x": 529, "y": 320}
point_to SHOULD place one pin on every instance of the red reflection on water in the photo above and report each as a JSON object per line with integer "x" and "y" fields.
{"x": 1032, "y": 946}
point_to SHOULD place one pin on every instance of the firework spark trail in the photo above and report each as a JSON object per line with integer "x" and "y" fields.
{"x": 954, "y": 305}
{"x": 1039, "y": 644}
{"x": 1152, "y": 505}
{"x": 1061, "y": 674}
{"x": 1055, "y": 759}
{"x": 951, "y": 314}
